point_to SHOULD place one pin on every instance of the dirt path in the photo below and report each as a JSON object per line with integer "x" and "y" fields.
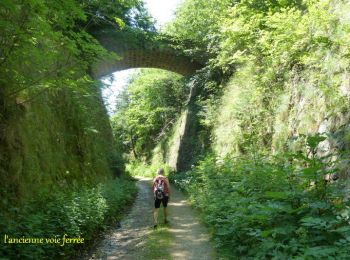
{"x": 190, "y": 238}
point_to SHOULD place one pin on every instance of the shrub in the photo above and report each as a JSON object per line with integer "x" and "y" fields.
{"x": 261, "y": 207}
{"x": 138, "y": 168}
{"x": 79, "y": 213}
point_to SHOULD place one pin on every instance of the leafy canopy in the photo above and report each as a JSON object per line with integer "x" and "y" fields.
{"x": 147, "y": 109}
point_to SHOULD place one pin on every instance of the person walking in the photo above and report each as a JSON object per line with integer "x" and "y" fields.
{"x": 161, "y": 191}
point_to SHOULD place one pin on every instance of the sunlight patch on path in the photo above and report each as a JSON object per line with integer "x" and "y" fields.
{"x": 191, "y": 239}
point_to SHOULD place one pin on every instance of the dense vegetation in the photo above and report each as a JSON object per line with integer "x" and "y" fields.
{"x": 271, "y": 130}
{"x": 271, "y": 207}
{"x": 263, "y": 135}
{"x": 78, "y": 214}
{"x": 262, "y": 186}
{"x": 57, "y": 154}
{"x": 147, "y": 110}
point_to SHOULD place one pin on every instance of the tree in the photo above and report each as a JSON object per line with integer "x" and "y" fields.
{"x": 147, "y": 109}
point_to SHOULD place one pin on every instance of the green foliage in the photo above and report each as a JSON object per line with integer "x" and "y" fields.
{"x": 271, "y": 208}
{"x": 137, "y": 168}
{"x": 46, "y": 44}
{"x": 285, "y": 65}
{"x": 147, "y": 110}
{"x": 43, "y": 49}
{"x": 54, "y": 127}
{"x": 118, "y": 14}
{"x": 280, "y": 78}
{"x": 83, "y": 212}
{"x": 198, "y": 31}
{"x": 64, "y": 140}
{"x": 56, "y": 141}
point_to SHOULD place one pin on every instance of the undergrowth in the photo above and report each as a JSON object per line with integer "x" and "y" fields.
{"x": 272, "y": 207}
{"x": 80, "y": 213}
{"x": 141, "y": 169}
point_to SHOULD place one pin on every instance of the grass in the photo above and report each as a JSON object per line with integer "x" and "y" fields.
{"x": 159, "y": 242}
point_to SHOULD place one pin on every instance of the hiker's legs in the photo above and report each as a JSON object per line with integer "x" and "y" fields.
{"x": 165, "y": 214}
{"x": 165, "y": 204}
{"x": 155, "y": 216}
{"x": 156, "y": 210}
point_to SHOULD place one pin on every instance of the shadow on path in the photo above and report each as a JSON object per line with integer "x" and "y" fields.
{"x": 128, "y": 241}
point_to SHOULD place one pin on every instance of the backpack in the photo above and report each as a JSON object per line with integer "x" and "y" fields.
{"x": 159, "y": 188}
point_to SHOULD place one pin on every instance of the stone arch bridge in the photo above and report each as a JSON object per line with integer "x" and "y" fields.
{"x": 139, "y": 49}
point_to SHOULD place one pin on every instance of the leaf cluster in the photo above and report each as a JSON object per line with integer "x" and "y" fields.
{"x": 83, "y": 212}
{"x": 271, "y": 208}
{"x": 48, "y": 45}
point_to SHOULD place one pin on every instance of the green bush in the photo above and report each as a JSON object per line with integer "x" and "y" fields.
{"x": 272, "y": 208}
{"x": 83, "y": 213}
{"x": 137, "y": 168}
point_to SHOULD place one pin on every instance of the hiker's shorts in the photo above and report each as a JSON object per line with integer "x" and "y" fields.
{"x": 164, "y": 201}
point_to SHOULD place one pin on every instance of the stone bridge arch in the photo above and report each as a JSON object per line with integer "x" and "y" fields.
{"x": 138, "y": 49}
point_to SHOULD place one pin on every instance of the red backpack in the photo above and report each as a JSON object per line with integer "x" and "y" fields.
{"x": 159, "y": 188}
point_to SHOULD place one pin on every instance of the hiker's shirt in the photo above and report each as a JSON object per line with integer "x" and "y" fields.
{"x": 166, "y": 184}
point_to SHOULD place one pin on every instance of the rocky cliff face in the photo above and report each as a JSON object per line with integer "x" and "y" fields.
{"x": 243, "y": 120}
{"x": 60, "y": 139}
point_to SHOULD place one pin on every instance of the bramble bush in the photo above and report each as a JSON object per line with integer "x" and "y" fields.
{"x": 83, "y": 213}
{"x": 272, "y": 208}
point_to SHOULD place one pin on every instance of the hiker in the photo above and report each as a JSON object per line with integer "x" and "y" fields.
{"x": 161, "y": 191}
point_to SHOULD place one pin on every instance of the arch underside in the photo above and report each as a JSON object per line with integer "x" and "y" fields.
{"x": 146, "y": 59}
{"x": 140, "y": 51}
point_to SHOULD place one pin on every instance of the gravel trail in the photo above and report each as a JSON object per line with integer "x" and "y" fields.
{"x": 190, "y": 238}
